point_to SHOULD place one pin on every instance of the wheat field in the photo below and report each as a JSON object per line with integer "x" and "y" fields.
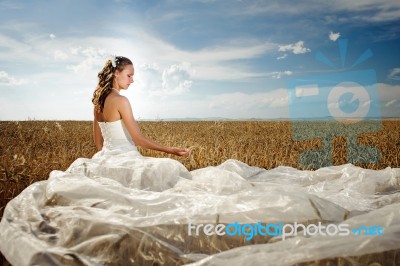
{"x": 29, "y": 150}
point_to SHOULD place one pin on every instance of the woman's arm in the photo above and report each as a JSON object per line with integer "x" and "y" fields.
{"x": 125, "y": 110}
{"x": 97, "y": 136}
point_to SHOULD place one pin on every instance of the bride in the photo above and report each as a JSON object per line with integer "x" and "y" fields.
{"x": 117, "y": 135}
{"x": 111, "y": 107}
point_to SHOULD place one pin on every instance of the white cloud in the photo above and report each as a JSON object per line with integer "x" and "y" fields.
{"x": 93, "y": 57}
{"x": 152, "y": 80}
{"x": 60, "y": 55}
{"x": 385, "y": 15}
{"x": 394, "y": 74}
{"x": 8, "y": 80}
{"x": 52, "y": 36}
{"x": 148, "y": 77}
{"x": 334, "y": 36}
{"x": 296, "y": 48}
{"x": 280, "y": 74}
{"x": 281, "y": 57}
{"x": 176, "y": 79}
{"x": 75, "y": 50}
{"x": 374, "y": 10}
{"x": 93, "y": 52}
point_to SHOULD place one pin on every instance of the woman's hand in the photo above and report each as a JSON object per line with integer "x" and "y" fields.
{"x": 179, "y": 152}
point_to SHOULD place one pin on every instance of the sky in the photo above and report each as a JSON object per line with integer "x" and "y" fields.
{"x": 203, "y": 58}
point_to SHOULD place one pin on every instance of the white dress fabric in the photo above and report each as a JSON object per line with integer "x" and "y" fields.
{"x": 121, "y": 208}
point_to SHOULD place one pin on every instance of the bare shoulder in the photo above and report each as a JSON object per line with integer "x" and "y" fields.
{"x": 115, "y": 99}
{"x": 122, "y": 100}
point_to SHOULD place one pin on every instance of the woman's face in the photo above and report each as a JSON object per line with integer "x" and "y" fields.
{"x": 124, "y": 78}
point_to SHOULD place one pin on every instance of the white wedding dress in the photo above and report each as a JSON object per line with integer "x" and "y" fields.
{"x": 121, "y": 208}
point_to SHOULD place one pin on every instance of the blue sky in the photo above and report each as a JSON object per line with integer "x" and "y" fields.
{"x": 195, "y": 58}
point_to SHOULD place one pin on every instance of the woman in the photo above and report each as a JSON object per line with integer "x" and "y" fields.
{"x": 109, "y": 106}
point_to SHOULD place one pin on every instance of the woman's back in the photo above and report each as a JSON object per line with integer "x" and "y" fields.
{"x": 116, "y": 136}
{"x": 110, "y": 110}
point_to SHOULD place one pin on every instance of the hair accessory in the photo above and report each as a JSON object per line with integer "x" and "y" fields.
{"x": 113, "y": 60}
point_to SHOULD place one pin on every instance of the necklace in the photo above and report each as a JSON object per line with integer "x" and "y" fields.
{"x": 116, "y": 90}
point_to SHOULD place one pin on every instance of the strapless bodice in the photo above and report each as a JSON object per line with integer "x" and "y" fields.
{"x": 116, "y": 135}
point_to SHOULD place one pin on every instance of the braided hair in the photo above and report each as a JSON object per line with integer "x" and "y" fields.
{"x": 106, "y": 77}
